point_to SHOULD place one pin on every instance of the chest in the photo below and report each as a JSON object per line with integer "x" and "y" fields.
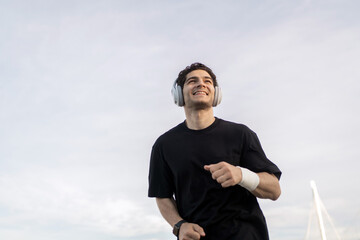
{"x": 189, "y": 153}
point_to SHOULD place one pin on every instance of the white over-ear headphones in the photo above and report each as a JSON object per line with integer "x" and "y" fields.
{"x": 178, "y": 96}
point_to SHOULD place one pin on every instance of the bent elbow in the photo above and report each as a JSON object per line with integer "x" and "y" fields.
{"x": 275, "y": 196}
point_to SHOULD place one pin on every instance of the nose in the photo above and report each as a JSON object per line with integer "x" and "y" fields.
{"x": 201, "y": 83}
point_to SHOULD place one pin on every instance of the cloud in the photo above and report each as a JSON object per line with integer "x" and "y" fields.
{"x": 46, "y": 197}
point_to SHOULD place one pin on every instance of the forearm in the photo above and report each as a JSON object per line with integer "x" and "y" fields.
{"x": 168, "y": 210}
{"x": 268, "y": 187}
{"x": 262, "y": 185}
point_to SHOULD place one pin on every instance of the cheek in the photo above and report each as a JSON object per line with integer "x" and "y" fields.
{"x": 185, "y": 95}
{"x": 186, "y": 92}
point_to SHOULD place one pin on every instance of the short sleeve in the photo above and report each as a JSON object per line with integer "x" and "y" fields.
{"x": 254, "y": 157}
{"x": 160, "y": 177}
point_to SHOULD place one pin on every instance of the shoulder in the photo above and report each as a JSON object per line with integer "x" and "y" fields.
{"x": 170, "y": 134}
{"x": 237, "y": 129}
{"x": 234, "y": 126}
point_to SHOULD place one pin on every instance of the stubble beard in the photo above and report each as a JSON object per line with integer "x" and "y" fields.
{"x": 200, "y": 105}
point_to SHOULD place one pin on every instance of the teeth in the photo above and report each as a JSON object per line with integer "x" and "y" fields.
{"x": 199, "y": 92}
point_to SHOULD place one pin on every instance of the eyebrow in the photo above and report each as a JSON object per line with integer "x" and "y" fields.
{"x": 195, "y": 77}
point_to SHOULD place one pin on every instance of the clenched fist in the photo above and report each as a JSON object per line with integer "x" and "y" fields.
{"x": 224, "y": 173}
{"x": 191, "y": 231}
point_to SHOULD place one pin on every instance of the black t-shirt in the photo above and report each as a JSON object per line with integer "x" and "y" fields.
{"x": 177, "y": 168}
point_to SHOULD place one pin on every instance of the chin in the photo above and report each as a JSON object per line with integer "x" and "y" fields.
{"x": 201, "y": 105}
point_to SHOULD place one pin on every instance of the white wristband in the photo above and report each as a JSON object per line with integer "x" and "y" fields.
{"x": 250, "y": 180}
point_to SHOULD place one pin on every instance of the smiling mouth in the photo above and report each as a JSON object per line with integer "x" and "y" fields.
{"x": 200, "y": 93}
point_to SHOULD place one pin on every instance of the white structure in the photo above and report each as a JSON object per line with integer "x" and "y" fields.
{"x": 319, "y": 207}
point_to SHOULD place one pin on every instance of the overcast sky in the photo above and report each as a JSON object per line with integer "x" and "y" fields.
{"x": 85, "y": 92}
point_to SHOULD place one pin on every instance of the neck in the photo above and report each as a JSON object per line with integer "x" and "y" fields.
{"x": 199, "y": 119}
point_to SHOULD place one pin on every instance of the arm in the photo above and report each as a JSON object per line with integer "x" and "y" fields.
{"x": 228, "y": 175}
{"x": 168, "y": 210}
{"x": 269, "y": 186}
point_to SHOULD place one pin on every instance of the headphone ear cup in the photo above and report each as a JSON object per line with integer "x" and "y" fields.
{"x": 217, "y": 96}
{"x": 176, "y": 91}
{"x": 180, "y": 96}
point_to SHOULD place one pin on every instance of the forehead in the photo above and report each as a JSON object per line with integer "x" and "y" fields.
{"x": 198, "y": 73}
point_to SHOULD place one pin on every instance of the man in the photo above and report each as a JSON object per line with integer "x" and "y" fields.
{"x": 215, "y": 169}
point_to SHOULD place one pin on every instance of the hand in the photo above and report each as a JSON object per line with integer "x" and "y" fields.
{"x": 191, "y": 231}
{"x": 224, "y": 173}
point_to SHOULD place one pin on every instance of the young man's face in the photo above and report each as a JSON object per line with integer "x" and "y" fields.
{"x": 198, "y": 90}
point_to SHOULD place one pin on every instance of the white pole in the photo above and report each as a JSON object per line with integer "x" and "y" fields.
{"x": 318, "y": 209}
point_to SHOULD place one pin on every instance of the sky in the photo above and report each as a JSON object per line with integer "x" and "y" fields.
{"x": 85, "y": 92}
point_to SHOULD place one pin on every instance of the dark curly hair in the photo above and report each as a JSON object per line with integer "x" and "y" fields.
{"x": 195, "y": 66}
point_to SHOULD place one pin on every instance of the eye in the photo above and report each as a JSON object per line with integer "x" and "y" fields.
{"x": 208, "y": 81}
{"x": 190, "y": 81}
